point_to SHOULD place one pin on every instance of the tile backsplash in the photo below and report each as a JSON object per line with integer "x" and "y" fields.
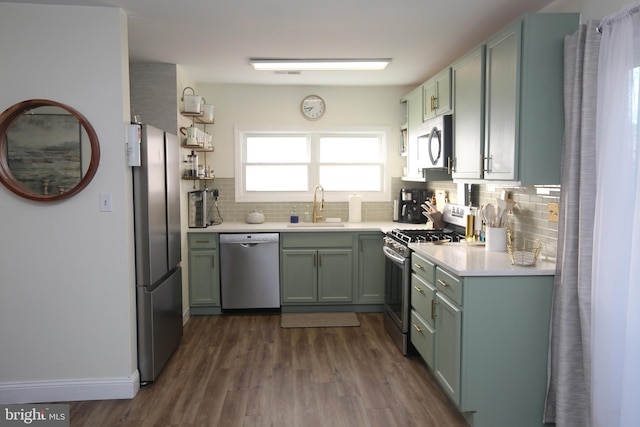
{"x": 528, "y": 219}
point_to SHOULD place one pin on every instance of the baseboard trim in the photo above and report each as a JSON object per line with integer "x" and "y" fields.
{"x": 66, "y": 391}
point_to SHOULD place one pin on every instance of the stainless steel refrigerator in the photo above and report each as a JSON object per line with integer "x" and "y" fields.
{"x": 156, "y": 196}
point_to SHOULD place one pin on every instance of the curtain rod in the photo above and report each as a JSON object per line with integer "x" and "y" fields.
{"x": 616, "y": 17}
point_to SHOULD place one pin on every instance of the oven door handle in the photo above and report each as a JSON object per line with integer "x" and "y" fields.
{"x": 389, "y": 253}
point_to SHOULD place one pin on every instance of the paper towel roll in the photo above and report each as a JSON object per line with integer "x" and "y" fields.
{"x": 355, "y": 208}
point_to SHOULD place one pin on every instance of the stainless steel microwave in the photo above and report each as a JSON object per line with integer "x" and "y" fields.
{"x": 435, "y": 143}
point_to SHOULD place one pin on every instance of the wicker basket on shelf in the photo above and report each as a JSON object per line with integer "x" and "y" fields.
{"x": 523, "y": 251}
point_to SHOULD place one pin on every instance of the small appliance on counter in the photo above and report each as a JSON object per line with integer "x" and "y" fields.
{"x": 409, "y": 205}
{"x": 201, "y": 208}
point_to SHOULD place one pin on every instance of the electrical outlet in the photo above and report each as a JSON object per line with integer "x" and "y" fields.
{"x": 552, "y": 212}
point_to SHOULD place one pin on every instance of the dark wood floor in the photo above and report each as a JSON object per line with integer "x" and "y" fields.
{"x": 244, "y": 370}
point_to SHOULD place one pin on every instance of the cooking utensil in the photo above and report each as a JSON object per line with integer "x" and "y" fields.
{"x": 431, "y": 206}
{"x": 441, "y": 242}
{"x": 489, "y": 214}
{"x": 502, "y": 208}
{"x": 435, "y": 218}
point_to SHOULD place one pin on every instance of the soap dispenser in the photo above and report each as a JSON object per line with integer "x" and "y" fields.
{"x": 294, "y": 216}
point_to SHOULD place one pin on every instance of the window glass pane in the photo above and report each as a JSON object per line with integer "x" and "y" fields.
{"x": 351, "y": 178}
{"x": 350, "y": 149}
{"x": 276, "y": 178}
{"x": 277, "y": 149}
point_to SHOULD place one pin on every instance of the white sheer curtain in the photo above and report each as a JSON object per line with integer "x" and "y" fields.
{"x": 615, "y": 298}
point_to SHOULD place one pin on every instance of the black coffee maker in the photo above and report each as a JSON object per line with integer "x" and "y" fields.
{"x": 409, "y": 205}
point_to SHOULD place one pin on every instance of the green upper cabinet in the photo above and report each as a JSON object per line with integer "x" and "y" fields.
{"x": 436, "y": 95}
{"x": 524, "y": 113}
{"x": 468, "y": 120}
{"x": 414, "y": 120}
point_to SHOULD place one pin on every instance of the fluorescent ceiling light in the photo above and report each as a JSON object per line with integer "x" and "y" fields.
{"x": 320, "y": 64}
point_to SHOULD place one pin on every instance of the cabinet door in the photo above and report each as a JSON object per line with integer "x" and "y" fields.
{"x": 447, "y": 348}
{"x": 436, "y": 98}
{"x": 468, "y": 120}
{"x": 429, "y": 99}
{"x": 443, "y": 92}
{"x": 204, "y": 280}
{"x": 414, "y": 121}
{"x": 299, "y": 275}
{"x": 371, "y": 270}
{"x": 502, "y": 107}
{"x": 335, "y": 275}
{"x": 422, "y": 337}
{"x": 423, "y": 299}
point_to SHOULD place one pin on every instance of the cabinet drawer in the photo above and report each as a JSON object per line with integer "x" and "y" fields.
{"x": 422, "y": 337}
{"x": 422, "y": 267}
{"x": 422, "y": 298}
{"x": 203, "y": 240}
{"x": 450, "y": 285}
{"x": 317, "y": 240}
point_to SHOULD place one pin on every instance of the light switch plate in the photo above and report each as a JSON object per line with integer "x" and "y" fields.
{"x": 105, "y": 202}
{"x": 552, "y": 212}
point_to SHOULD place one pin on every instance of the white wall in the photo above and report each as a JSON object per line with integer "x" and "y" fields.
{"x": 67, "y": 303}
{"x": 590, "y": 9}
{"x": 279, "y": 106}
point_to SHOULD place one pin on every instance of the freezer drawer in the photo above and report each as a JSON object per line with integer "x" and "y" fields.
{"x": 159, "y": 324}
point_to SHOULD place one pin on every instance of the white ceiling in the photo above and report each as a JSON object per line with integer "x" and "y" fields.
{"x": 212, "y": 40}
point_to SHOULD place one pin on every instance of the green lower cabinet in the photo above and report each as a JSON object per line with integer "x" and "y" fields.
{"x": 446, "y": 365}
{"x": 370, "y": 269}
{"x": 422, "y": 337}
{"x": 299, "y": 275}
{"x": 485, "y": 338}
{"x": 204, "y": 274}
{"x": 423, "y": 294}
{"x": 323, "y": 275}
{"x": 335, "y": 275}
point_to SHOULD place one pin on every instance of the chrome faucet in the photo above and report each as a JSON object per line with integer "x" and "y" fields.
{"x": 316, "y": 217}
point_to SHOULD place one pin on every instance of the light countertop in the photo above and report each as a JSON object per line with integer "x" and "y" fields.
{"x": 281, "y": 227}
{"x": 459, "y": 258}
{"x": 466, "y": 260}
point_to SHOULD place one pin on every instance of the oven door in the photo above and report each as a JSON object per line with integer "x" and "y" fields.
{"x": 397, "y": 284}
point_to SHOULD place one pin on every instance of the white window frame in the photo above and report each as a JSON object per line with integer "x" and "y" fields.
{"x": 241, "y": 195}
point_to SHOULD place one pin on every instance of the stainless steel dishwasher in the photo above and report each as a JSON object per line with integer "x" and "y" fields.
{"x": 250, "y": 270}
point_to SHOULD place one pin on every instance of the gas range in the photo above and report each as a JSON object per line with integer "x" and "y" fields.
{"x": 397, "y": 254}
{"x": 397, "y": 240}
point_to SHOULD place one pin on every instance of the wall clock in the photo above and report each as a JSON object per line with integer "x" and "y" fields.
{"x": 312, "y": 107}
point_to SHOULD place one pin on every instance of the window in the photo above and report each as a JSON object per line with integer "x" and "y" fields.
{"x": 286, "y": 166}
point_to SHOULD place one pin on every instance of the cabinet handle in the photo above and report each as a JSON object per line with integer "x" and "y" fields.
{"x": 487, "y": 161}
{"x": 449, "y": 165}
{"x": 315, "y": 263}
{"x": 418, "y": 266}
{"x": 320, "y": 261}
{"x": 443, "y": 283}
{"x": 418, "y": 288}
{"x": 433, "y": 309}
{"x": 213, "y": 261}
{"x": 417, "y": 328}
{"x": 202, "y": 241}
